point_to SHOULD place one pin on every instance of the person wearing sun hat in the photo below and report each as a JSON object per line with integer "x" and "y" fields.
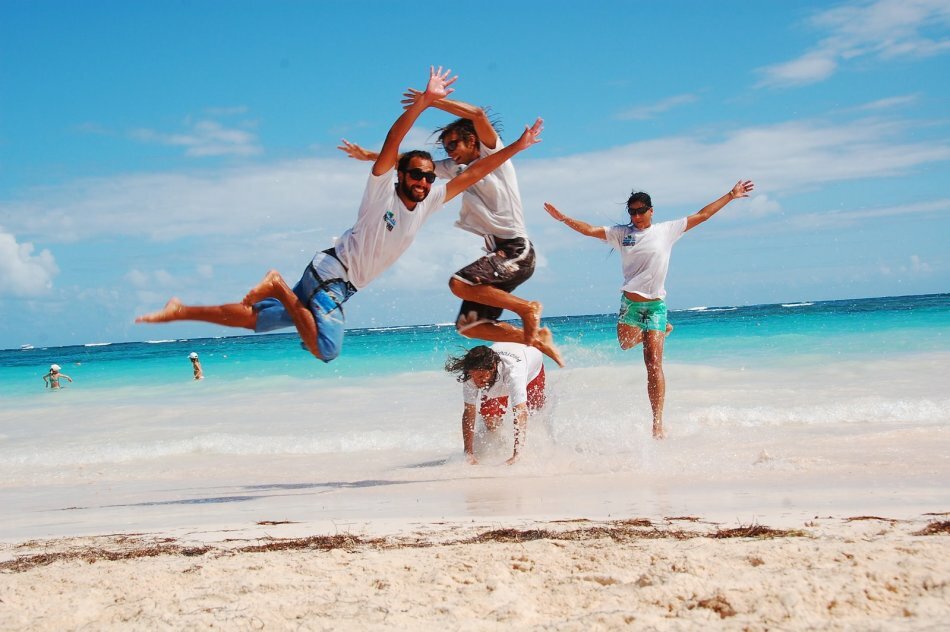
{"x": 196, "y": 365}
{"x": 51, "y": 379}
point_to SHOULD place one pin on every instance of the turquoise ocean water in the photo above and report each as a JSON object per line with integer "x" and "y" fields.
{"x": 743, "y": 336}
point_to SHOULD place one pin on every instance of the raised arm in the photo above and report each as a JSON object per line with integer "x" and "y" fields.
{"x": 482, "y": 167}
{"x": 437, "y": 88}
{"x": 583, "y": 228}
{"x": 740, "y": 190}
{"x": 483, "y": 127}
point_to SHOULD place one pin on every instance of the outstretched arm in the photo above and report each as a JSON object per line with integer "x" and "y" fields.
{"x": 740, "y": 190}
{"x": 575, "y": 224}
{"x": 356, "y": 152}
{"x": 437, "y": 88}
{"x": 483, "y": 127}
{"x": 482, "y": 167}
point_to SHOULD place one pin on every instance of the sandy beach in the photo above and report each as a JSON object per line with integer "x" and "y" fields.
{"x": 857, "y": 572}
{"x": 763, "y": 510}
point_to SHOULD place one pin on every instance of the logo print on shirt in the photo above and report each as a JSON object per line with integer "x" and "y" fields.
{"x": 390, "y": 220}
{"x": 629, "y": 240}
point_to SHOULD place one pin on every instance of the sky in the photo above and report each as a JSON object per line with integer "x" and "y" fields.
{"x": 183, "y": 148}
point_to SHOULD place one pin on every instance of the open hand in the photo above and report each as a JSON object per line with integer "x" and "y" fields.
{"x": 531, "y": 135}
{"x": 553, "y": 212}
{"x": 742, "y": 189}
{"x": 439, "y": 82}
{"x": 355, "y": 151}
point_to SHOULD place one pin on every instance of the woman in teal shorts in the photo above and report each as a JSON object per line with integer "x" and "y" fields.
{"x": 645, "y": 250}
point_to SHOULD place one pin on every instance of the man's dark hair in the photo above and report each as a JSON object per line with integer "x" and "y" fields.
{"x": 407, "y": 157}
{"x": 480, "y": 358}
{"x": 639, "y": 196}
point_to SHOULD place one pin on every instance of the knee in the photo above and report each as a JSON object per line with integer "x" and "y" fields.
{"x": 457, "y": 287}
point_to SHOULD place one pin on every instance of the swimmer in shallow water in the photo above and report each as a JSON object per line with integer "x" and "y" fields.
{"x": 51, "y": 379}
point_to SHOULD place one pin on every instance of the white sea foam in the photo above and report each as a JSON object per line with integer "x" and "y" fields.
{"x": 97, "y": 344}
{"x": 796, "y": 304}
{"x": 598, "y": 418}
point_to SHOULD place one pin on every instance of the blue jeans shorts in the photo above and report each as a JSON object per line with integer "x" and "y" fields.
{"x": 648, "y": 316}
{"x": 323, "y": 288}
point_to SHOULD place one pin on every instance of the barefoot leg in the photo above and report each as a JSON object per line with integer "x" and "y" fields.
{"x": 545, "y": 344}
{"x": 229, "y": 314}
{"x": 274, "y": 286}
{"x": 531, "y": 319}
{"x": 170, "y": 312}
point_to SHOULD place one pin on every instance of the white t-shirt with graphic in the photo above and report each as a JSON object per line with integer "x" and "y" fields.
{"x": 519, "y": 365}
{"x": 384, "y": 229}
{"x": 491, "y": 206}
{"x": 645, "y": 255}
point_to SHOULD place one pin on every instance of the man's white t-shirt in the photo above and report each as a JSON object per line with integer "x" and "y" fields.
{"x": 519, "y": 365}
{"x": 384, "y": 229}
{"x": 645, "y": 255}
{"x": 491, "y": 206}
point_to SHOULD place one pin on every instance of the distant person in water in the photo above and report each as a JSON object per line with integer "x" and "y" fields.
{"x": 389, "y": 218}
{"x": 645, "y": 250}
{"x": 51, "y": 379}
{"x": 491, "y": 209}
{"x": 196, "y": 366}
{"x": 492, "y": 378}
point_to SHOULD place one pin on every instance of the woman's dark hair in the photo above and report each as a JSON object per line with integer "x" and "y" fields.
{"x": 465, "y": 128}
{"x": 404, "y": 159}
{"x": 480, "y": 358}
{"x": 639, "y": 196}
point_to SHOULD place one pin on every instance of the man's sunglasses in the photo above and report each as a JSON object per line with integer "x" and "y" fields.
{"x": 639, "y": 210}
{"x": 451, "y": 145}
{"x": 419, "y": 174}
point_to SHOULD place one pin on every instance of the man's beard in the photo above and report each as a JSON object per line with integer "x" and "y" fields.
{"x": 407, "y": 191}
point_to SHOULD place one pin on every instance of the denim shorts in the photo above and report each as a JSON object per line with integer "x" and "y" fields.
{"x": 325, "y": 300}
{"x": 648, "y": 316}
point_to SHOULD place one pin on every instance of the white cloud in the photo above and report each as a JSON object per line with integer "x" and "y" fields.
{"x": 810, "y": 68}
{"x": 761, "y": 206}
{"x": 879, "y": 29}
{"x": 204, "y": 138}
{"x": 292, "y": 207}
{"x": 649, "y": 111}
{"x": 21, "y": 272}
{"x": 913, "y": 266}
{"x": 889, "y": 103}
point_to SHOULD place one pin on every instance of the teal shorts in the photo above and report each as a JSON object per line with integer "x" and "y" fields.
{"x": 648, "y": 316}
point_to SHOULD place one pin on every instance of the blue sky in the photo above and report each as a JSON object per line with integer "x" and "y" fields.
{"x": 158, "y": 149}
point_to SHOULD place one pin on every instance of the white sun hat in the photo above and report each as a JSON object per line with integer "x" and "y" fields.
{"x": 54, "y": 367}
{"x": 192, "y": 355}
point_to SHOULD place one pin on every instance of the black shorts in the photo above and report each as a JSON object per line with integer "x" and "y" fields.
{"x": 510, "y": 264}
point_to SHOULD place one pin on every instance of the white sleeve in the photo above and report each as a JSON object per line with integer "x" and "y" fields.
{"x": 614, "y": 235}
{"x": 447, "y": 169}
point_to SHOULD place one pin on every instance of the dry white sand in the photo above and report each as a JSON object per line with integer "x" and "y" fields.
{"x": 848, "y": 573}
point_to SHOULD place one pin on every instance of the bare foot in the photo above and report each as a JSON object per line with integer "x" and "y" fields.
{"x": 545, "y": 344}
{"x": 471, "y": 459}
{"x": 669, "y": 328}
{"x": 166, "y": 314}
{"x": 658, "y": 431}
{"x": 531, "y": 320}
{"x": 264, "y": 289}
{"x": 514, "y": 459}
